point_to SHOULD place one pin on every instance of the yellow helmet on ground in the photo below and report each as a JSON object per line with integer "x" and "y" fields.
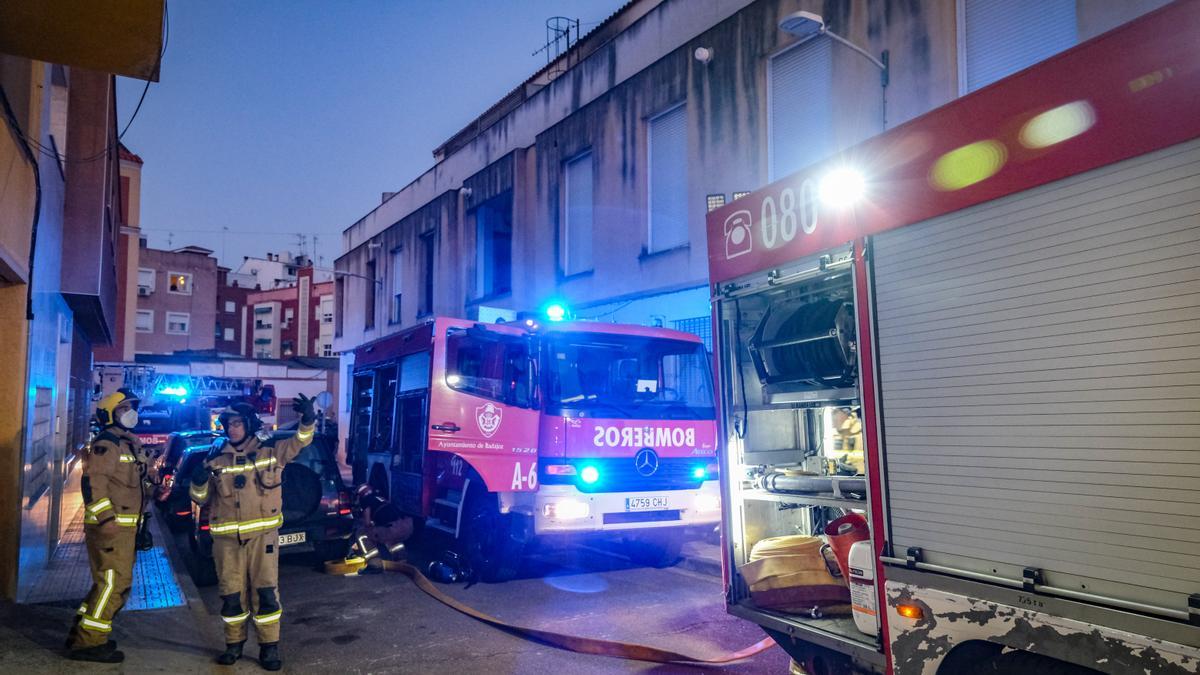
{"x": 108, "y": 404}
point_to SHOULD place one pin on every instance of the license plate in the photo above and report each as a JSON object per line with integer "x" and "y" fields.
{"x": 646, "y": 504}
{"x": 292, "y": 538}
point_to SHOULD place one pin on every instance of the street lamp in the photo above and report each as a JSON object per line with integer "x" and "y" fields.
{"x": 805, "y": 25}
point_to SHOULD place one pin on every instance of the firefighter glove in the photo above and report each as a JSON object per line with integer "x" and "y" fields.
{"x": 304, "y": 405}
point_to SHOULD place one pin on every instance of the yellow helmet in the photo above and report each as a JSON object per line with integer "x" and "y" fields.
{"x": 108, "y": 404}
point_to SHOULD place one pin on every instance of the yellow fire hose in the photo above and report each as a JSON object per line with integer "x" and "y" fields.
{"x": 574, "y": 643}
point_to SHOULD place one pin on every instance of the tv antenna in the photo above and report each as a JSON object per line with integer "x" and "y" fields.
{"x": 559, "y": 31}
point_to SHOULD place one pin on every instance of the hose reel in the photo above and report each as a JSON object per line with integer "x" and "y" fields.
{"x": 810, "y": 343}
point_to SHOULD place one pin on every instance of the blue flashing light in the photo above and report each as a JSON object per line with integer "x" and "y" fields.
{"x": 173, "y": 391}
{"x": 699, "y": 473}
{"x": 556, "y": 312}
{"x": 590, "y": 474}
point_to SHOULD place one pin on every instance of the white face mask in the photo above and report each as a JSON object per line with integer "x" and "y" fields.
{"x": 128, "y": 419}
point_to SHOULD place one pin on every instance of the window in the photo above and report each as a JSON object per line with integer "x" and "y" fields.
{"x": 146, "y": 279}
{"x": 217, "y": 331}
{"x": 800, "y": 111}
{"x": 493, "y": 246}
{"x": 1000, "y": 38}
{"x": 289, "y": 347}
{"x": 145, "y": 321}
{"x": 178, "y": 323}
{"x": 180, "y": 282}
{"x": 414, "y": 372}
{"x": 668, "y": 180}
{"x": 288, "y": 315}
{"x": 491, "y": 367}
{"x": 369, "y": 298}
{"x": 714, "y": 202}
{"x": 327, "y": 350}
{"x": 428, "y": 243}
{"x": 230, "y": 307}
{"x": 397, "y": 272}
{"x": 229, "y": 336}
{"x": 577, "y": 215}
{"x": 339, "y": 298}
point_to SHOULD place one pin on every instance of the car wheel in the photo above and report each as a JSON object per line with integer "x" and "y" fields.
{"x": 655, "y": 548}
{"x": 491, "y": 546}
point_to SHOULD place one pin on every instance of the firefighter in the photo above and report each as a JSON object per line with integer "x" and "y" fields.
{"x": 114, "y": 494}
{"x": 381, "y": 532}
{"x": 848, "y": 442}
{"x": 241, "y": 478}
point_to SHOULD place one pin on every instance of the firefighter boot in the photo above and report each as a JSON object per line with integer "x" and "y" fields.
{"x": 233, "y": 652}
{"x": 268, "y": 656}
{"x": 105, "y": 653}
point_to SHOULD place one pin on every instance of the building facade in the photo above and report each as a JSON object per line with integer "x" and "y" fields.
{"x": 276, "y": 270}
{"x": 588, "y": 184}
{"x": 232, "y": 315}
{"x": 176, "y": 300}
{"x": 295, "y": 321}
{"x": 127, "y": 250}
{"x": 60, "y": 226}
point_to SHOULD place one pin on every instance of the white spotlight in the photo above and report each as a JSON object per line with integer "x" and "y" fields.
{"x": 842, "y": 187}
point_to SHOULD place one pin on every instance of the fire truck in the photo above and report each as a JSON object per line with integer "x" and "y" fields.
{"x": 497, "y": 434}
{"x": 1005, "y": 294}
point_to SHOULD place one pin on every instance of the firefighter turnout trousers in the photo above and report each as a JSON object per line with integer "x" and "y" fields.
{"x": 248, "y": 571}
{"x": 111, "y": 560}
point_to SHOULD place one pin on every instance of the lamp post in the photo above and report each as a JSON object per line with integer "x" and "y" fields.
{"x": 806, "y": 25}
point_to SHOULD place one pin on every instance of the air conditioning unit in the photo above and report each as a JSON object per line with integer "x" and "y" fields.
{"x": 143, "y": 291}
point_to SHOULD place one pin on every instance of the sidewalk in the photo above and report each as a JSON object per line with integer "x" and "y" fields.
{"x": 163, "y": 628}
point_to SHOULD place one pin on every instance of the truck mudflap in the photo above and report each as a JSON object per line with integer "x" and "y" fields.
{"x": 948, "y": 620}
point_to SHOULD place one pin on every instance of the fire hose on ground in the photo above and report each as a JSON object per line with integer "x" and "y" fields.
{"x": 573, "y": 643}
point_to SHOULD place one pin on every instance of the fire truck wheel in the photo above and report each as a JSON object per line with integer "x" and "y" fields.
{"x": 655, "y": 549}
{"x": 489, "y": 543}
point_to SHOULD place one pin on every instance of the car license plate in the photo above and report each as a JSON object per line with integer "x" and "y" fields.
{"x": 292, "y": 538}
{"x": 646, "y": 504}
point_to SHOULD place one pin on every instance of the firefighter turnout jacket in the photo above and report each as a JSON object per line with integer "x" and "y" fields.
{"x": 245, "y": 501}
{"x": 244, "y": 491}
{"x": 113, "y": 486}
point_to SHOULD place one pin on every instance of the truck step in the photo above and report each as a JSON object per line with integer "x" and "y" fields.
{"x": 450, "y": 504}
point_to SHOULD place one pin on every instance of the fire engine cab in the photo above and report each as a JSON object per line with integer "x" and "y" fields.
{"x": 499, "y": 433}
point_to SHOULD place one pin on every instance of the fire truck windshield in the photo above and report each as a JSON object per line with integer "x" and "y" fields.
{"x": 631, "y": 377}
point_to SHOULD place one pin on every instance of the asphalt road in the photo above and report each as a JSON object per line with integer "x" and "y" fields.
{"x": 384, "y": 624}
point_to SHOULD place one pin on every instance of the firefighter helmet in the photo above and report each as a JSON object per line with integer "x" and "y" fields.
{"x": 246, "y": 412}
{"x": 107, "y": 405}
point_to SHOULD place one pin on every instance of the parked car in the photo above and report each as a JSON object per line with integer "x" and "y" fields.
{"x": 183, "y": 450}
{"x": 316, "y": 508}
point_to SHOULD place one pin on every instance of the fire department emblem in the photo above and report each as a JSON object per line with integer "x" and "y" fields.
{"x": 488, "y": 417}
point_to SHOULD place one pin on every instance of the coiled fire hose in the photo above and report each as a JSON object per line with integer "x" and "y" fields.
{"x": 573, "y": 643}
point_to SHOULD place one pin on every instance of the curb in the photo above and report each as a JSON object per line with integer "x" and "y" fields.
{"x": 700, "y": 565}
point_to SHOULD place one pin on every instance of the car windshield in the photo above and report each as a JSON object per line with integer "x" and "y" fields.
{"x": 620, "y": 376}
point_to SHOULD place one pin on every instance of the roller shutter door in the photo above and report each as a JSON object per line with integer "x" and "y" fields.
{"x": 1040, "y": 381}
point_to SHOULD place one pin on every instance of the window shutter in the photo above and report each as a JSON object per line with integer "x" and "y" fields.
{"x": 668, "y": 180}
{"x": 801, "y": 114}
{"x": 578, "y": 214}
{"x": 1005, "y": 36}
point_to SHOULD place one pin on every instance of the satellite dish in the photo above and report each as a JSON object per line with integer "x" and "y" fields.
{"x": 324, "y": 400}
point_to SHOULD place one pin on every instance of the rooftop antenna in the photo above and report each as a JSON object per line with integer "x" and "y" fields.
{"x": 559, "y": 31}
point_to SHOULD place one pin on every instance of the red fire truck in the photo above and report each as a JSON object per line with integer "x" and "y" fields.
{"x": 1005, "y": 293}
{"x": 499, "y": 433}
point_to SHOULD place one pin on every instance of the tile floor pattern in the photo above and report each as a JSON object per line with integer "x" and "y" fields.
{"x": 67, "y": 579}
